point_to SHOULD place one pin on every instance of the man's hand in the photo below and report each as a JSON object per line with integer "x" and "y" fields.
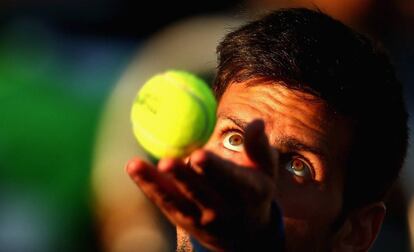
{"x": 225, "y": 206}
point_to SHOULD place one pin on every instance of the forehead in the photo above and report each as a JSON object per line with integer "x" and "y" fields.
{"x": 276, "y": 105}
{"x": 290, "y": 114}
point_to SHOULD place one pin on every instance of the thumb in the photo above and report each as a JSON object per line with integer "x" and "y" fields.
{"x": 258, "y": 150}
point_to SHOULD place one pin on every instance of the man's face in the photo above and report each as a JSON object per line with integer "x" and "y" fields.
{"x": 312, "y": 143}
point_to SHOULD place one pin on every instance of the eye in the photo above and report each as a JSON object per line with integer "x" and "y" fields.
{"x": 299, "y": 167}
{"x": 233, "y": 141}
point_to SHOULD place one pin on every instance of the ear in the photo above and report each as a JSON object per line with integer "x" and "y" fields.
{"x": 361, "y": 228}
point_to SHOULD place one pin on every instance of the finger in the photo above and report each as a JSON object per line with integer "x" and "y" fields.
{"x": 160, "y": 189}
{"x": 231, "y": 179}
{"x": 258, "y": 149}
{"x": 192, "y": 183}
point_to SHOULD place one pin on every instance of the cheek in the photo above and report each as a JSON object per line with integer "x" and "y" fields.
{"x": 306, "y": 236}
{"x": 307, "y": 202}
{"x": 308, "y": 216}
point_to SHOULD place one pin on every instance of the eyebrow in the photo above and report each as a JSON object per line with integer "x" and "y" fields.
{"x": 294, "y": 145}
{"x": 290, "y": 143}
{"x": 239, "y": 122}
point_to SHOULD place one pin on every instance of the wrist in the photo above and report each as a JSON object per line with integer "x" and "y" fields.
{"x": 269, "y": 238}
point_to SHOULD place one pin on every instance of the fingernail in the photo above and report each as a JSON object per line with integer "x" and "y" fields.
{"x": 133, "y": 166}
{"x": 199, "y": 157}
{"x": 165, "y": 165}
{"x": 127, "y": 165}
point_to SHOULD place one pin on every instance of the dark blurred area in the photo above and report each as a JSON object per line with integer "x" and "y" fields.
{"x": 60, "y": 61}
{"x": 122, "y": 19}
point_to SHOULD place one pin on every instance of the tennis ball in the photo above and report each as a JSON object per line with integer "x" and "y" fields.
{"x": 173, "y": 114}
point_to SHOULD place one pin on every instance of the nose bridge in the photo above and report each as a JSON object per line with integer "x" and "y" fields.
{"x": 213, "y": 144}
{"x": 214, "y": 135}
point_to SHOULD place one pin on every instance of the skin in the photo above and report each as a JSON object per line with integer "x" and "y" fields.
{"x": 270, "y": 144}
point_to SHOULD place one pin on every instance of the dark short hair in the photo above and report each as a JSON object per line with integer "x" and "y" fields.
{"x": 312, "y": 52}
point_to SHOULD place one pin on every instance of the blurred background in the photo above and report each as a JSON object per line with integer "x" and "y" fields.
{"x": 68, "y": 73}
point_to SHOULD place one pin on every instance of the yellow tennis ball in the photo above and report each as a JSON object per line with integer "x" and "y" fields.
{"x": 173, "y": 114}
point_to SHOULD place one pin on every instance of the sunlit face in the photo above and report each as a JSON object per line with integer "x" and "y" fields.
{"x": 313, "y": 145}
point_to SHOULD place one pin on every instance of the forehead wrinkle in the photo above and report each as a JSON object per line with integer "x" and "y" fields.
{"x": 250, "y": 107}
{"x": 270, "y": 100}
{"x": 264, "y": 107}
{"x": 294, "y": 122}
{"x": 274, "y": 104}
